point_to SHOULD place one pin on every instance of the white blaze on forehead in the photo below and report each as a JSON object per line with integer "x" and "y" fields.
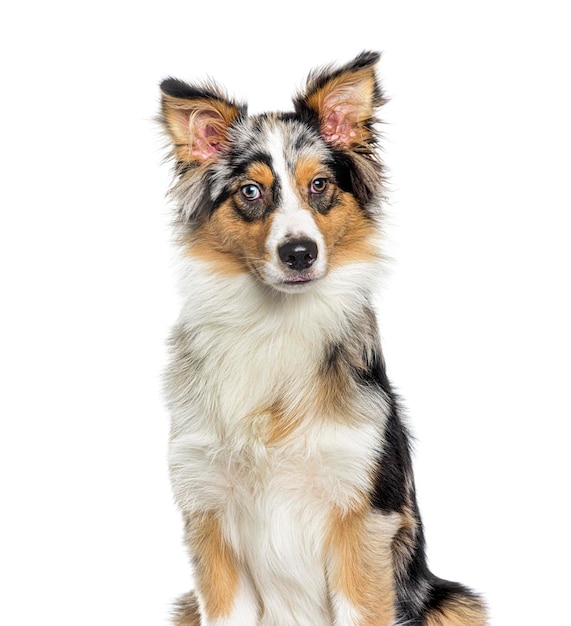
{"x": 291, "y": 220}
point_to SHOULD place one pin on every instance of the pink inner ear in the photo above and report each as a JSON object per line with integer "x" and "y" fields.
{"x": 205, "y": 136}
{"x": 339, "y": 126}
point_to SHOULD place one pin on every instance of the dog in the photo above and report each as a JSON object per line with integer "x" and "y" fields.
{"x": 289, "y": 457}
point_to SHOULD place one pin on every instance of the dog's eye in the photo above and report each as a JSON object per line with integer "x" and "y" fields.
{"x": 250, "y": 192}
{"x": 318, "y": 185}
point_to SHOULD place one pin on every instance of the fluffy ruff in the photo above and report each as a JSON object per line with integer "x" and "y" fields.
{"x": 288, "y": 455}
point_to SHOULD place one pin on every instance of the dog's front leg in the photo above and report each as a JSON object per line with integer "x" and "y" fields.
{"x": 359, "y": 569}
{"x": 226, "y": 596}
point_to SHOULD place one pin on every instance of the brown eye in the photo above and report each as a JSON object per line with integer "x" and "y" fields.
{"x": 250, "y": 192}
{"x": 318, "y": 185}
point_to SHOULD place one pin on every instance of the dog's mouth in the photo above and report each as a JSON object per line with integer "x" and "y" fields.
{"x": 298, "y": 280}
{"x": 295, "y": 284}
{"x": 285, "y": 281}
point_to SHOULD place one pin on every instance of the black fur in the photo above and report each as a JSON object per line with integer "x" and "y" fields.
{"x": 355, "y": 362}
{"x": 419, "y": 592}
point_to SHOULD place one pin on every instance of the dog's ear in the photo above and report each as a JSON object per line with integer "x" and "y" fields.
{"x": 344, "y": 100}
{"x": 197, "y": 120}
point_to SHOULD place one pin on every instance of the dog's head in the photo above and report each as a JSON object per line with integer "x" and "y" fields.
{"x": 285, "y": 197}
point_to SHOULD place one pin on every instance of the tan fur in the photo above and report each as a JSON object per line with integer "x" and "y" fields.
{"x": 185, "y": 118}
{"x": 345, "y": 101}
{"x": 348, "y": 233}
{"x": 260, "y": 173}
{"x": 281, "y": 425}
{"x": 207, "y": 248}
{"x": 334, "y": 391}
{"x": 233, "y": 245}
{"x": 360, "y": 546}
{"x": 308, "y": 168}
{"x": 405, "y": 540}
{"x": 463, "y": 612}
{"x": 216, "y": 572}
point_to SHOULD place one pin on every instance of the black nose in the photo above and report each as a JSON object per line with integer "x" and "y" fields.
{"x": 298, "y": 255}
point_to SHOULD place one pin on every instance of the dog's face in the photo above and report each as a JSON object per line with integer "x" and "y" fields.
{"x": 284, "y": 197}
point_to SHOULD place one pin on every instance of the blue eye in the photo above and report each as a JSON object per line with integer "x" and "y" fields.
{"x": 250, "y": 192}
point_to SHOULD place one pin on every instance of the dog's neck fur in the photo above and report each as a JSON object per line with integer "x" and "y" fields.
{"x": 261, "y": 343}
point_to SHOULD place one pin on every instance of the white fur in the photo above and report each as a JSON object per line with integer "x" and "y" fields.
{"x": 344, "y": 613}
{"x": 273, "y": 501}
{"x": 245, "y": 611}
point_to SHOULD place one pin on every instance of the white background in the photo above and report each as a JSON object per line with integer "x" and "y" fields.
{"x": 475, "y": 314}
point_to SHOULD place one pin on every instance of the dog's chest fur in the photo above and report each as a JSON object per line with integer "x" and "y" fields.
{"x": 251, "y": 440}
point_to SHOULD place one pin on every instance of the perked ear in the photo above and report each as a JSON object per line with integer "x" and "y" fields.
{"x": 344, "y": 100}
{"x": 197, "y": 120}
